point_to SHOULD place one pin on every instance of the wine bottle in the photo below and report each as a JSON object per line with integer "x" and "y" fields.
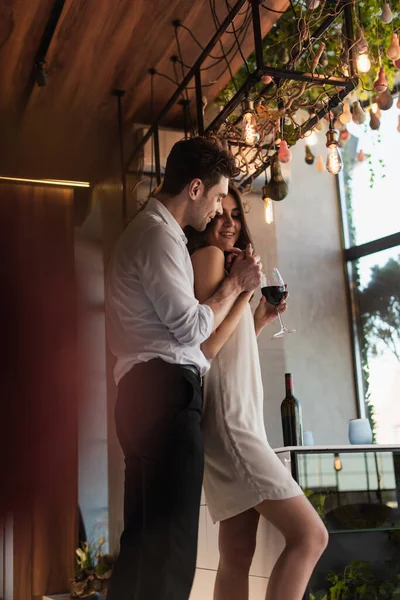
{"x": 291, "y": 416}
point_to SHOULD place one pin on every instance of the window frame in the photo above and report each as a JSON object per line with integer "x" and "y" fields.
{"x": 351, "y": 253}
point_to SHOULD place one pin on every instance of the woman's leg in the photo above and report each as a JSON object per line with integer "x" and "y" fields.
{"x": 237, "y": 543}
{"x": 306, "y": 539}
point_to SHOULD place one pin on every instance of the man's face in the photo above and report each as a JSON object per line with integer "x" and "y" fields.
{"x": 206, "y": 205}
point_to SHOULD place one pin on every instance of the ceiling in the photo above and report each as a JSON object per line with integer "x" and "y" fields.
{"x": 67, "y": 129}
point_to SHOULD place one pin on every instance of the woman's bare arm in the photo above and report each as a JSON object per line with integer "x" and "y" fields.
{"x": 209, "y": 273}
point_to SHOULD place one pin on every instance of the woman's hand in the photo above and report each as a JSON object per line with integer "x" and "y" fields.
{"x": 230, "y": 257}
{"x": 266, "y": 313}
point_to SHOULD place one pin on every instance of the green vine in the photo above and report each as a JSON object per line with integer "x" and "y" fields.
{"x": 284, "y": 37}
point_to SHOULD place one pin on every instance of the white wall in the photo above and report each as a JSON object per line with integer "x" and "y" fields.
{"x": 304, "y": 243}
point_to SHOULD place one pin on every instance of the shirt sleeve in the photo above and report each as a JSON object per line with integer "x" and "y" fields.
{"x": 162, "y": 268}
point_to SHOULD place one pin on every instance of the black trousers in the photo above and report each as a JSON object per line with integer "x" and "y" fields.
{"x": 158, "y": 413}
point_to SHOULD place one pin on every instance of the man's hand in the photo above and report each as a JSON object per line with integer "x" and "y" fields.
{"x": 230, "y": 257}
{"x": 246, "y": 269}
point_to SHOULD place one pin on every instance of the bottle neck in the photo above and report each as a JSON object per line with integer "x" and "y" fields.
{"x": 289, "y": 384}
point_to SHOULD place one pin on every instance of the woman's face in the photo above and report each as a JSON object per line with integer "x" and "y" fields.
{"x": 226, "y": 228}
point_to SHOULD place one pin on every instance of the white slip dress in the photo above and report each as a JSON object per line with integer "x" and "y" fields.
{"x": 241, "y": 469}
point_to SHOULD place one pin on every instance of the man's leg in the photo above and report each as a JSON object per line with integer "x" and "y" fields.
{"x": 158, "y": 422}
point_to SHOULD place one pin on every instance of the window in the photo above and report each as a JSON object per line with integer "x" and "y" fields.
{"x": 371, "y": 218}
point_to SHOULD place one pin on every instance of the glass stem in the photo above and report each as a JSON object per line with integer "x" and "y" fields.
{"x": 280, "y": 320}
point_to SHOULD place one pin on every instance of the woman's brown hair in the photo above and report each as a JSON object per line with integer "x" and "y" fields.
{"x": 199, "y": 239}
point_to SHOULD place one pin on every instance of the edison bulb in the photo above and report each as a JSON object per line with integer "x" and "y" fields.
{"x": 249, "y": 128}
{"x": 337, "y": 463}
{"x": 268, "y": 211}
{"x": 363, "y": 63}
{"x": 334, "y": 161}
{"x": 312, "y": 139}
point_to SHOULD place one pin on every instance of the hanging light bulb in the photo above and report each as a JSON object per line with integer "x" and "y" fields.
{"x": 384, "y": 100}
{"x": 393, "y": 52}
{"x": 284, "y": 154}
{"x": 266, "y": 79}
{"x": 277, "y": 189}
{"x": 333, "y": 161}
{"x": 268, "y": 211}
{"x": 320, "y": 165}
{"x": 374, "y": 121}
{"x": 337, "y": 463}
{"x": 387, "y": 15}
{"x": 344, "y": 134}
{"x": 363, "y": 63}
{"x": 359, "y": 116}
{"x": 309, "y": 156}
{"x": 375, "y": 109}
{"x": 249, "y": 123}
{"x": 380, "y": 83}
{"x": 311, "y": 138}
{"x": 345, "y": 117}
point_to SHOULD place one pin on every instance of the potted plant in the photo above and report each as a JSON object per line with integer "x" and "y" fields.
{"x": 94, "y": 570}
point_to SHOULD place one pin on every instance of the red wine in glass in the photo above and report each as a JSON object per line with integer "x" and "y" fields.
{"x": 274, "y": 294}
{"x": 273, "y": 288}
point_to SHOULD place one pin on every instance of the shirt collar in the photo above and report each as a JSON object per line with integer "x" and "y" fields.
{"x": 157, "y": 207}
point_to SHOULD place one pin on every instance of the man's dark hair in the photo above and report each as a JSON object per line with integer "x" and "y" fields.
{"x": 197, "y": 158}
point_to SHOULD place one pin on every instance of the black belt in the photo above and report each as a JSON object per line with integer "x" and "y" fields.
{"x": 194, "y": 370}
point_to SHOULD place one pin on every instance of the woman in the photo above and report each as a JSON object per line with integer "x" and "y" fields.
{"x": 243, "y": 477}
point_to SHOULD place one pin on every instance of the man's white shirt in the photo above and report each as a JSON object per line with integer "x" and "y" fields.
{"x": 151, "y": 309}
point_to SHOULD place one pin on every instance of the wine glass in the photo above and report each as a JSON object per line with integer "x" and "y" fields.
{"x": 273, "y": 288}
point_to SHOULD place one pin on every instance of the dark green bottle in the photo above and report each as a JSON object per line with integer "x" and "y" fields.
{"x": 292, "y": 425}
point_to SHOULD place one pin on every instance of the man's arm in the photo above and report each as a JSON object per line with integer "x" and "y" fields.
{"x": 209, "y": 273}
{"x": 244, "y": 276}
{"x": 161, "y": 268}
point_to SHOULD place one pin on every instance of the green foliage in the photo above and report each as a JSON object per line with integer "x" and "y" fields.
{"x": 378, "y": 36}
{"x": 318, "y": 500}
{"x": 283, "y": 38}
{"x": 359, "y": 581}
{"x": 380, "y": 308}
{"x": 87, "y": 555}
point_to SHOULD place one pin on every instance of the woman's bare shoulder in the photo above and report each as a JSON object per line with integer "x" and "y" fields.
{"x": 207, "y": 254}
{"x": 209, "y": 271}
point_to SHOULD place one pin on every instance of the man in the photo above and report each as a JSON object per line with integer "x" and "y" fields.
{"x": 155, "y": 328}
